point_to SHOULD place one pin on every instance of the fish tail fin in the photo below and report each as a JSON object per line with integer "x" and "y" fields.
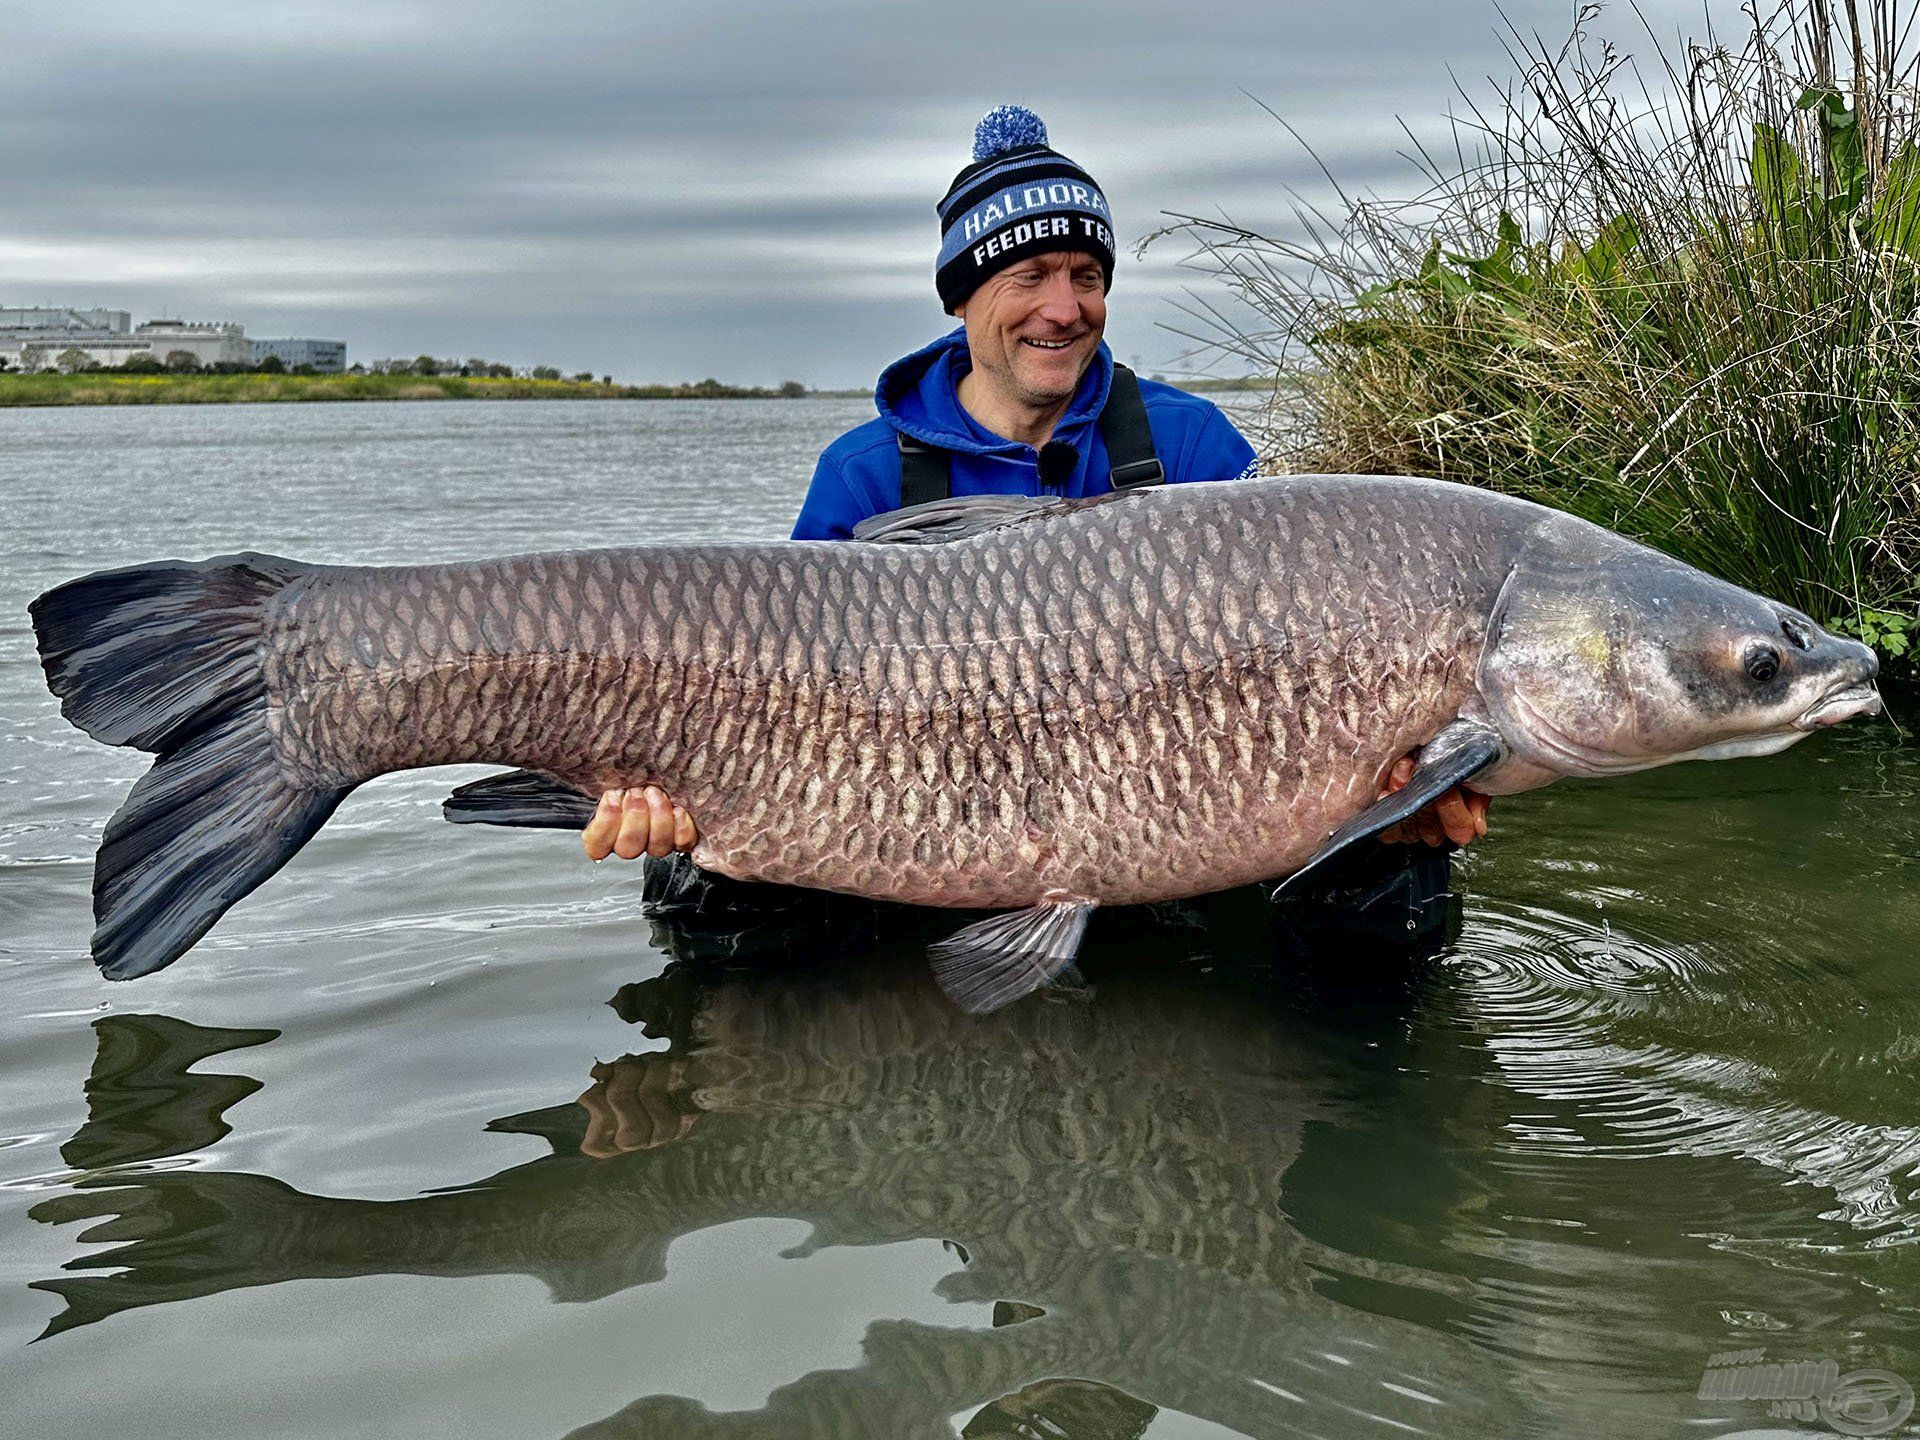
{"x": 166, "y": 658}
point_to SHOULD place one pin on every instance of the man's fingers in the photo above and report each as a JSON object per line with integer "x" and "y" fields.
{"x": 597, "y": 838}
{"x": 1397, "y": 777}
{"x": 1459, "y": 815}
{"x": 1451, "y": 810}
{"x": 1398, "y": 774}
{"x": 636, "y": 825}
{"x": 659, "y": 821}
{"x": 638, "y": 821}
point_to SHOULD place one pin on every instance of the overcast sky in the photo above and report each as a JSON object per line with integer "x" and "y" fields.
{"x": 739, "y": 188}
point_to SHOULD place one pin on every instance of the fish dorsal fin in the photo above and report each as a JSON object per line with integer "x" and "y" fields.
{"x": 961, "y": 517}
{"x": 520, "y": 797}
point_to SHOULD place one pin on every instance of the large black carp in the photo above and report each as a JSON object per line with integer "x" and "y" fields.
{"x": 999, "y": 703}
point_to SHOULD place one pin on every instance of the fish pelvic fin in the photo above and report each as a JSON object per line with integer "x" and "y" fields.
{"x": 994, "y": 962}
{"x": 166, "y": 657}
{"x": 529, "y": 798}
{"x": 1459, "y": 752}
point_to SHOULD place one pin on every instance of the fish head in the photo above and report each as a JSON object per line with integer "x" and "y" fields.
{"x": 1604, "y": 657}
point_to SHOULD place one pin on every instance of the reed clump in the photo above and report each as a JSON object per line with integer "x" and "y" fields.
{"x": 1679, "y": 296}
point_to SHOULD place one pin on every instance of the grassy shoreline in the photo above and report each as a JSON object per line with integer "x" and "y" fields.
{"x": 106, "y": 387}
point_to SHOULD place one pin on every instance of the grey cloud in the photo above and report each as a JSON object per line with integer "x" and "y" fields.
{"x": 659, "y": 190}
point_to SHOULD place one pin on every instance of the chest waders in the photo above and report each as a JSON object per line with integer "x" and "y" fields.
{"x": 926, "y": 471}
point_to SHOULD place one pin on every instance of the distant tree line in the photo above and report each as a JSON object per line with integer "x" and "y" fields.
{"x": 75, "y": 360}
{"x": 472, "y": 366}
{"x": 707, "y": 389}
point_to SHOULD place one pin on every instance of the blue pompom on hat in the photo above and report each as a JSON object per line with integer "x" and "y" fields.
{"x": 1018, "y": 198}
{"x": 1007, "y": 127}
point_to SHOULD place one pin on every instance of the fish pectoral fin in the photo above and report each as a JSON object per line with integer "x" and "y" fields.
{"x": 1457, "y": 753}
{"x": 995, "y": 961}
{"x": 528, "y": 798}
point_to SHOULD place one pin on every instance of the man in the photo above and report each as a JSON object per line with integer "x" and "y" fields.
{"x": 1023, "y": 399}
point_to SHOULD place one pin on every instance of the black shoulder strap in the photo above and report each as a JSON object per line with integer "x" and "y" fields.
{"x": 923, "y": 471}
{"x": 926, "y": 470}
{"x": 1123, "y": 425}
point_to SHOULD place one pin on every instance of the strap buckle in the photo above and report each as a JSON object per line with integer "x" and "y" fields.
{"x": 1140, "y": 472}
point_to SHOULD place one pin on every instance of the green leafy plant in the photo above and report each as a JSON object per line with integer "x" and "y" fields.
{"x": 1893, "y": 633}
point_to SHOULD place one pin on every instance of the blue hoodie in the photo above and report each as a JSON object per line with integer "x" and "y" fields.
{"x": 859, "y": 474}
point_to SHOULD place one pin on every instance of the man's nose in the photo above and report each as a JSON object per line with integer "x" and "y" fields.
{"x": 1058, "y": 304}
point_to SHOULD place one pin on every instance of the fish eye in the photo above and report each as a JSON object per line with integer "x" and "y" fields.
{"x": 1763, "y": 663}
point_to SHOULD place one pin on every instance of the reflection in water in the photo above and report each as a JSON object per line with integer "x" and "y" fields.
{"x": 1324, "y": 1194}
{"x": 1062, "y": 1410}
{"x": 141, "y": 1102}
{"x": 1114, "y": 1191}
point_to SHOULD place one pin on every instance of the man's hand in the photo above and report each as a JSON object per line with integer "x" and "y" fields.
{"x": 1459, "y": 815}
{"x": 636, "y": 822}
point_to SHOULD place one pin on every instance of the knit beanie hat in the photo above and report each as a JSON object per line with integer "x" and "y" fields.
{"x": 1018, "y": 198}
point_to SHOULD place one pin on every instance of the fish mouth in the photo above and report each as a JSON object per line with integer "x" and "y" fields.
{"x": 1842, "y": 703}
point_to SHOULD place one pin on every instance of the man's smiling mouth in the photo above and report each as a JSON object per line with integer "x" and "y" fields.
{"x": 1045, "y": 344}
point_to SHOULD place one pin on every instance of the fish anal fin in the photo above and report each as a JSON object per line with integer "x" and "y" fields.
{"x": 529, "y": 798}
{"x": 993, "y": 962}
{"x": 1456, "y": 754}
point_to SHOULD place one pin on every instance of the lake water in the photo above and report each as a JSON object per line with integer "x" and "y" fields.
{"x": 431, "y": 1137}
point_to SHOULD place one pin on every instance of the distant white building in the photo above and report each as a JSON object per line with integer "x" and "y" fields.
{"x": 33, "y": 338}
{"x": 36, "y": 339}
{"x": 326, "y": 357}
{"x": 59, "y": 320}
{"x": 218, "y": 343}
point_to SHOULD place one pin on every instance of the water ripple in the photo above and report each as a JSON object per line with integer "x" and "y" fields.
{"x": 1555, "y": 998}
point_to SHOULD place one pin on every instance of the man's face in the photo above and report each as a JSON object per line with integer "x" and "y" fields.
{"x": 1034, "y": 327}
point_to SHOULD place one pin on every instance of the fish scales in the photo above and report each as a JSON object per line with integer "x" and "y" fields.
{"x": 1132, "y": 701}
